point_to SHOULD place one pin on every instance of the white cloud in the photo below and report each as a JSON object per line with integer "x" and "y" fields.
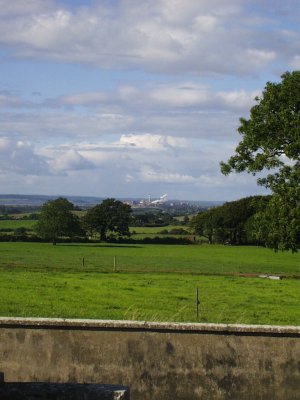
{"x": 44, "y": 125}
{"x": 182, "y": 95}
{"x": 236, "y": 100}
{"x": 194, "y": 115}
{"x": 133, "y": 130}
{"x": 199, "y": 96}
{"x": 115, "y": 169}
{"x": 166, "y": 36}
{"x": 84, "y": 99}
{"x": 155, "y": 98}
{"x": 21, "y": 7}
{"x": 20, "y": 157}
{"x": 261, "y": 57}
{"x": 295, "y": 63}
{"x": 150, "y": 175}
{"x": 70, "y": 160}
{"x": 152, "y": 142}
{"x": 7, "y": 100}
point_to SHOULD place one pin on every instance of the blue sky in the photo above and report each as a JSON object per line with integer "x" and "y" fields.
{"x": 129, "y": 98}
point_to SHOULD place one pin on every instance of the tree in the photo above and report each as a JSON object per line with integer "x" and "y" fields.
{"x": 152, "y": 218}
{"x": 278, "y": 226}
{"x": 271, "y": 141}
{"x": 111, "y": 216}
{"x": 56, "y": 219}
{"x": 229, "y": 223}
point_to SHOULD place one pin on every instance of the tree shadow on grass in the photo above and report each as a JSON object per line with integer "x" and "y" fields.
{"x": 101, "y": 245}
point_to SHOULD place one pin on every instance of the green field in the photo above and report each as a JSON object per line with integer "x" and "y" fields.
{"x": 182, "y": 259}
{"x": 152, "y": 282}
{"x": 17, "y": 223}
{"x": 138, "y": 233}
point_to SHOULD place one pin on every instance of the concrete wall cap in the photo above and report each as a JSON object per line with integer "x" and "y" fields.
{"x": 61, "y": 323}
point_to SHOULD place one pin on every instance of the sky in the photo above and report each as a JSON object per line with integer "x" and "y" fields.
{"x": 126, "y": 98}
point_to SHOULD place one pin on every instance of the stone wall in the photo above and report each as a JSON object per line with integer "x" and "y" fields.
{"x": 61, "y": 391}
{"x": 157, "y": 361}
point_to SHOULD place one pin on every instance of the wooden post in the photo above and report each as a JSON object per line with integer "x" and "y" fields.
{"x": 115, "y": 264}
{"x": 197, "y": 303}
{"x": 83, "y": 261}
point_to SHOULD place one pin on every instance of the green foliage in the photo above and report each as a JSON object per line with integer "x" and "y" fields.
{"x": 271, "y": 141}
{"x": 204, "y": 224}
{"x": 155, "y": 219}
{"x": 56, "y": 219}
{"x": 229, "y": 223}
{"x": 12, "y": 210}
{"x": 110, "y": 217}
{"x": 159, "y": 233}
{"x": 278, "y": 226}
{"x": 273, "y": 131}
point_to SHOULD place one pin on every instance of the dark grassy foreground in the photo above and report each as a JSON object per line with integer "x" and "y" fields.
{"x": 153, "y": 282}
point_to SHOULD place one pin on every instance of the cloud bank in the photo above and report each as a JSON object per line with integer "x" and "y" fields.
{"x": 127, "y": 97}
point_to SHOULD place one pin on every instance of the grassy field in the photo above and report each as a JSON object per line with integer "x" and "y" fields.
{"x": 17, "y": 223}
{"x": 182, "y": 259}
{"x": 138, "y": 233}
{"x": 154, "y": 297}
{"x": 152, "y": 282}
{"x": 155, "y": 230}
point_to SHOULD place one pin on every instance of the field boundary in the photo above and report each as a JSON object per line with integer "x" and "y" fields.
{"x": 172, "y": 327}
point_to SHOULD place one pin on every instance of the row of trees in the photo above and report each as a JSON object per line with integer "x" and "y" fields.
{"x": 150, "y": 218}
{"x": 57, "y": 219}
{"x": 236, "y": 222}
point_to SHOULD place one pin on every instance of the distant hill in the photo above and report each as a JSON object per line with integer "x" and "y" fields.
{"x": 38, "y": 200}
{"x": 81, "y": 201}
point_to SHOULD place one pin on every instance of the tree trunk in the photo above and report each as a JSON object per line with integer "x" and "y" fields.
{"x": 103, "y": 235}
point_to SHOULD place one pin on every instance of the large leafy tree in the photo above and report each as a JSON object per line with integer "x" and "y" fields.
{"x": 110, "y": 217}
{"x": 56, "y": 219}
{"x": 230, "y": 223}
{"x": 271, "y": 141}
{"x": 204, "y": 224}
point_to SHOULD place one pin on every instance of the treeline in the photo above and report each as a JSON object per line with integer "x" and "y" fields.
{"x": 234, "y": 223}
{"x": 152, "y": 219}
{"x": 59, "y": 221}
{"x": 9, "y": 212}
{"x": 255, "y": 220}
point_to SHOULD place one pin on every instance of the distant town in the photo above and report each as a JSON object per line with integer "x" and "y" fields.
{"x": 85, "y": 202}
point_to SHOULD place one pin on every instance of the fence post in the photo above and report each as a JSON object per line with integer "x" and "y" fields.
{"x": 115, "y": 263}
{"x": 197, "y": 303}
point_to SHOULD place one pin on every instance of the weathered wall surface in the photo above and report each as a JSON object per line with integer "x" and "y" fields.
{"x": 62, "y": 391}
{"x": 157, "y": 361}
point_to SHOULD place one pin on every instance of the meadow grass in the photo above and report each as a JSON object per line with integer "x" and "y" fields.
{"x": 152, "y": 297}
{"x": 155, "y": 230}
{"x": 17, "y": 223}
{"x": 139, "y": 232}
{"x": 147, "y": 230}
{"x": 153, "y": 282}
{"x": 196, "y": 259}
